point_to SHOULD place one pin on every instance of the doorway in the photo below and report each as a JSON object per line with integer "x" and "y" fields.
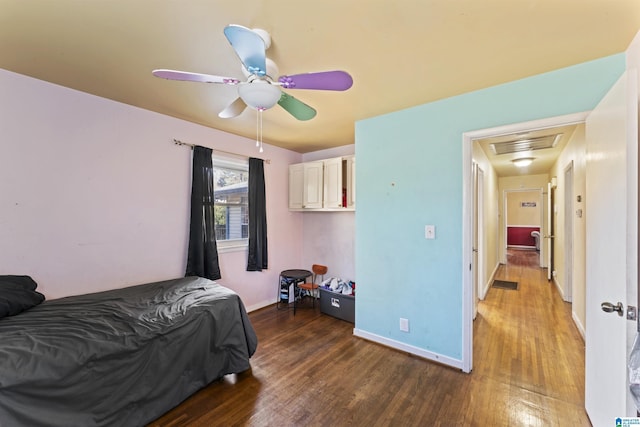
{"x": 468, "y": 210}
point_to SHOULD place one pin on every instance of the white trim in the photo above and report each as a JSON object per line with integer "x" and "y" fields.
{"x": 236, "y": 245}
{"x": 467, "y": 213}
{"x": 436, "y": 357}
{"x": 558, "y": 286}
{"x": 491, "y": 279}
{"x": 259, "y": 305}
{"x": 578, "y": 324}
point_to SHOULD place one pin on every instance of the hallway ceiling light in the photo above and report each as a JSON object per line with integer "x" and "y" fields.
{"x": 522, "y": 162}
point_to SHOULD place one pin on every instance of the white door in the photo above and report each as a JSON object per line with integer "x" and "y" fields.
{"x": 548, "y": 238}
{"x": 480, "y": 243}
{"x": 611, "y": 133}
{"x": 477, "y": 271}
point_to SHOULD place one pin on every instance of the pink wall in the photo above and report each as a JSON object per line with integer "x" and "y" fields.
{"x": 94, "y": 195}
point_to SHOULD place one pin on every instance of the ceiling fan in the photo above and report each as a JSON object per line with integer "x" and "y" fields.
{"x": 260, "y": 91}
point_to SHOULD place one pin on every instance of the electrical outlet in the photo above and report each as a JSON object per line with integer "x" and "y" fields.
{"x": 404, "y": 325}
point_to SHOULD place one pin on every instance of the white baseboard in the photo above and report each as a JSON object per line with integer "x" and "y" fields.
{"x": 259, "y": 305}
{"x": 488, "y": 284}
{"x": 578, "y": 324}
{"x": 560, "y": 290}
{"x": 436, "y": 357}
{"x": 521, "y": 247}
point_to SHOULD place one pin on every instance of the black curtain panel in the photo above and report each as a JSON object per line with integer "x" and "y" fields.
{"x": 257, "y": 253}
{"x": 202, "y": 259}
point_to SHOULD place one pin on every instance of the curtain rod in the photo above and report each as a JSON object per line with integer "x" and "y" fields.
{"x": 178, "y": 142}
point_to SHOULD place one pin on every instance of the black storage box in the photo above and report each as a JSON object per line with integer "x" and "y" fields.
{"x": 338, "y": 305}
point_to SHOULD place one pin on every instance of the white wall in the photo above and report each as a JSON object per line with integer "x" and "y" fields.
{"x": 94, "y": 195}
{"x": 574, "y": 153}
{"x": 490, "y": 246}
{"x": 329, "y": 237}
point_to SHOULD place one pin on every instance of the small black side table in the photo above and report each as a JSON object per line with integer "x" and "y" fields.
{"x": 287, "y": 278}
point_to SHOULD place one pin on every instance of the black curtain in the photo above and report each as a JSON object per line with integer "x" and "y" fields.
{"x": 202, "y": 259}
{"x": 257, "y": 254}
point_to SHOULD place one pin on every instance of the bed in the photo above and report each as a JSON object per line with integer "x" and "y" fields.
{"x": 121, "y": 357}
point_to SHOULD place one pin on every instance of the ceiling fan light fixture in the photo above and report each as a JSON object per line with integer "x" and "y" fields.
{"x": 259, "y": 94}
{"x": 522, "y": 162}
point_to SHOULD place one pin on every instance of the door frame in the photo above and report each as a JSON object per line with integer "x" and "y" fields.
{"x": 467, "y": 213}
{"x": 568, "y": 224}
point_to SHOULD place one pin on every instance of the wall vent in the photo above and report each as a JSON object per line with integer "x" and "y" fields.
{"x": 529, "y": 144}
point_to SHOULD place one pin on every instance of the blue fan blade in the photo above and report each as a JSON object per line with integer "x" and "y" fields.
{"x": 249, "y": 47}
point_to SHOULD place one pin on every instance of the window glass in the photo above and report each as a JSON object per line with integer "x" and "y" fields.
{"x": 231, "y": 178}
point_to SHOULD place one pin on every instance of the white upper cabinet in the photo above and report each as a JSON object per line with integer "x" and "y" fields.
{"x": 333, "y": 183}
{"x": 313, "y": 176}
{"x": 323, "y": 185}
{"x": 351, "y": 182}
{"x": 296, "y": 186}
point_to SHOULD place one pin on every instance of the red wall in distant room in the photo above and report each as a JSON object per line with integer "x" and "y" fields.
{"x": 521, "y": 236}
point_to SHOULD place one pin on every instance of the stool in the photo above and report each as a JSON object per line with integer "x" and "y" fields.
{"x": 287, "y": 278}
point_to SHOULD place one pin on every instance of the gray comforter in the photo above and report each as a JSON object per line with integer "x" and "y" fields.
{"x": 122, "y": 357}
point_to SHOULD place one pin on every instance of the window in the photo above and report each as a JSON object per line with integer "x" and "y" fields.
{"x": 230, "y": 191}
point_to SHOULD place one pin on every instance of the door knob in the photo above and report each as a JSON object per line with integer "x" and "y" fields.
{"x": 610, "y": 308}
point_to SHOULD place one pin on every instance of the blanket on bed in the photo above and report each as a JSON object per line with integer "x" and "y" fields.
{"x": 121, "y": 357}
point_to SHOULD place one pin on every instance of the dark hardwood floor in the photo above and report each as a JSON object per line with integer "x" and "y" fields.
{"x": 309, "y": 370}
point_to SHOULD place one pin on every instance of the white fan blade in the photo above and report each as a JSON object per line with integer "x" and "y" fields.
{"x": 234, "y": 109}
{"x": 194, "y": 77}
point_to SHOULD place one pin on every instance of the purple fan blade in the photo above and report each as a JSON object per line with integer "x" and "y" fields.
{"x": 194, "y": 77}
{"x": 326, "y": 80}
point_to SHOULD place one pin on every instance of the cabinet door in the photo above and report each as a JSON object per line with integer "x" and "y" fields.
{"x": 296, "y": 186}
{"x": 351, "y": 182}
{"x": 312, "y": 197}
{"x": 333, "y": 183}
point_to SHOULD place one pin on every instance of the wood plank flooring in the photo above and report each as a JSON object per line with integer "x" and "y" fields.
{"x": 309, "y": 370}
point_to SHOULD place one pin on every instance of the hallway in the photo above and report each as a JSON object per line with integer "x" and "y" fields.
{"x": 526, "y": 339}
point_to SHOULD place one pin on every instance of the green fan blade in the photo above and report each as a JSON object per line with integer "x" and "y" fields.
{"x": 297, "y": 109}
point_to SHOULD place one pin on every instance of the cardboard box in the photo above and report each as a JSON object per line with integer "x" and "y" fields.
{"x": 338, "y": 305}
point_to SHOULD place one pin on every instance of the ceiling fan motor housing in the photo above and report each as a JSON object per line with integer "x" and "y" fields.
{"x": 259, "y": 94}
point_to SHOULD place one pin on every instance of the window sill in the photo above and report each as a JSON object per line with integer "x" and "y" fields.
{"x": 232, "y": 246}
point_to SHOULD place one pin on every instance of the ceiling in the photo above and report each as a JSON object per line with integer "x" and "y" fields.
{"x": 543, "y": 146}
{"x": 400, "y": 53}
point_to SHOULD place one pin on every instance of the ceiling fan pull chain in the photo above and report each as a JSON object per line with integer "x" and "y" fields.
{"x": 258, "y": 129}
{"x": 260, "y": 118}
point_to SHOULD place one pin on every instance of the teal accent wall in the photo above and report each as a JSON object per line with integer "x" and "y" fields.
{"x": 409, "y": 175}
